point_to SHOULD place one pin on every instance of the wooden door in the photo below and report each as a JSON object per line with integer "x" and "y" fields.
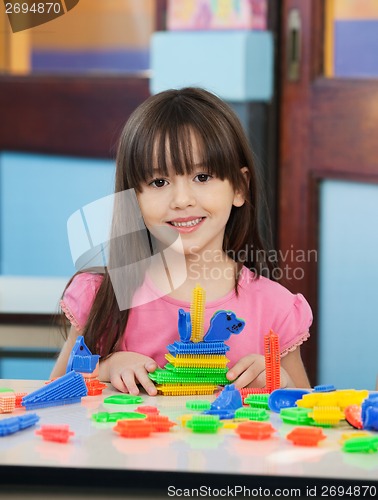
{"x": 327, "y": 131}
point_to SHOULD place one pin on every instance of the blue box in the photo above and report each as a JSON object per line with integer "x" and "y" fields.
{"x": 235, "y": 65}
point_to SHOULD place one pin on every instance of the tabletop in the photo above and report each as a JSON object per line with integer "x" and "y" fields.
{"x": 97, "y": 453}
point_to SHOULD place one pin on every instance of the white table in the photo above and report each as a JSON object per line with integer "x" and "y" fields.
{"x": 96, "y": 453}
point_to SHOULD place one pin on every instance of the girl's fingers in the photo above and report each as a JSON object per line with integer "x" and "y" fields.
{"x": 254, "y": 376}
{"x": 145, "y": 381}
{"x": 118, "y": 383}
{"x": 253, "y": 362}
{"x": 151, "y": 366}
{"x": 128, "y": 378}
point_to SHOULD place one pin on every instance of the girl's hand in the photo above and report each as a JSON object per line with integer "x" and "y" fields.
{"x": 127, "y": 369}
{"x": 249, "y": 371}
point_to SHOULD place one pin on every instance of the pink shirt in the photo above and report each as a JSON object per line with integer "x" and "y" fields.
{"x": 262, "y": 303}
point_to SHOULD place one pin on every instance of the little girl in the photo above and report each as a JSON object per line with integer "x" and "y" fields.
{"x": 186, "y": 156}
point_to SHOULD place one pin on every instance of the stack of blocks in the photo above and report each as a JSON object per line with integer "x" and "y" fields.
{"x": 197, "y": 363}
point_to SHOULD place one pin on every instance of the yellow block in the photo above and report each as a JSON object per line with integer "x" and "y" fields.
{"x": 191, "y": 360}
{"x": 185, "y": 390}
{"x": 197, "y": 313}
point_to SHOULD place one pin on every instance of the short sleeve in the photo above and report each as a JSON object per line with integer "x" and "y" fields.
{"x": 294, "y": 329}
{"x": 78, "y": 298}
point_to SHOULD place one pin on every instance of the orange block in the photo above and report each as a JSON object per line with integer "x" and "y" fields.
{"x": 255, "y": 430}
{"x": 133, "y": 428}
{"x": 306, "y": 436}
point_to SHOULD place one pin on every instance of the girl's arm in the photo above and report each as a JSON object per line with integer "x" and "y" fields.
{"x": 123, "y": 369}
{"x": 293, "y": 365}
{"x": 61, "y": 363}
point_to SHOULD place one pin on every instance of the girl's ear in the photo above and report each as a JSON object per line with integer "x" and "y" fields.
{"x": 239, "y": 197}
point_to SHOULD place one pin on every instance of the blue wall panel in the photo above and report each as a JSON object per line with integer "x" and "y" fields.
{"x": 37, "y": 195}
{"x": 348, "y": 273}
{"x": 26, "y": 368}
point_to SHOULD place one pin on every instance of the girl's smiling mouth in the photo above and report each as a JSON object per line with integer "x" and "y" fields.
{"x": 187, "y": 224}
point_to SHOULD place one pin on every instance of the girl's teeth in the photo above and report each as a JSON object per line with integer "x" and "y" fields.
{"x": 188, "y": 223}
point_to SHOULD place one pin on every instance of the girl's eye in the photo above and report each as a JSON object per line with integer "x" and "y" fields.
{"x": 158, "y": 183}
{"x": 203, "y": 177}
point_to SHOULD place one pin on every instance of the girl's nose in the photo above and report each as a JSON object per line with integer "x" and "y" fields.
{"x": 182, "y": 193}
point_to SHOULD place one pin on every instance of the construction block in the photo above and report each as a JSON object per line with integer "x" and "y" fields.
{"x": 64, "y": 390}
{"x": 15, "y": 424}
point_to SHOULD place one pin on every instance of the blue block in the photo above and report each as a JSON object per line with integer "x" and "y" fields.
{"x": 15, "y": 424}
{"x": 81, "y": 359}
{"x": 235, "y": 65}
{"x": 68, "y": 389}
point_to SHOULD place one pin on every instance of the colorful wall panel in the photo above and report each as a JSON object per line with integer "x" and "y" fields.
{"x": 352, "y": 38}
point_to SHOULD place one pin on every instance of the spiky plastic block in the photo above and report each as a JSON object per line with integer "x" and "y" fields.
{"x": 204, "y": 424}
{"x": 258, "y": 414}
{"x": 7, "y": 402}
{"x": 197, "y": 313}
{"x": 166, "y": 376}
{"x": 324, "y": 388}
{"x": 246, "y": 391}
{"x": 133, "y": 428}
{"x": 296, "y": 416}
{"x": 341, "y": 398}
{"x": 306, "y": 436}
{"x": 94, "y": 387}
{"x": 369, "y": 412}
{"x": 257, "y": 401}
{"x": 272, "y": 361}
{"x": 326, "y": 416}
{"x": 196, "y": 370}
{"x": 148, "y": 410}
{"x": 198, "y": 405}
{"x": 64, "y": 390}
{"x": 19, "y": 396}
{"x": 256, "y": 431}
{"x": 15, "y": 424}
{"x": 104, "y": 416}
{"x": 186, "y": 390}
{"x": 81, "y": 359}
{"x": 195, "y": 361}
{"x": 160, "y": 423}
{"x": 352, "y": 435}
{"x": 199, "y": 349}
{"x": 56, "y": 433}
{"x": 361, "y": 445}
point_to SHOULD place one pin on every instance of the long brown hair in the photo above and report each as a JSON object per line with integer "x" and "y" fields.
{"x": 170, "y": 117}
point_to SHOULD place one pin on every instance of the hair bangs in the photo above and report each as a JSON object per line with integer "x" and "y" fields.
{"x": 180, "y": 138}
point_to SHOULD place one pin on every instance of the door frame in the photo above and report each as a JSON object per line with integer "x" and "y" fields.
{"x": 326, "y": 130}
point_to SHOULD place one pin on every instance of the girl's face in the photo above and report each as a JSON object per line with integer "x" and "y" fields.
{"x": 196, "y": 206}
